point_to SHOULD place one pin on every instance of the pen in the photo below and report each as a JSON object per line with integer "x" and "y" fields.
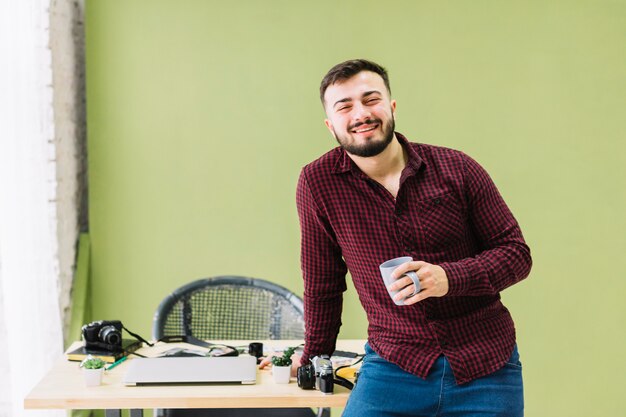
{"x": 117, "y": 362}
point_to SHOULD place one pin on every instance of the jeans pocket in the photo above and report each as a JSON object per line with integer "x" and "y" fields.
{"x": 517, "y": 365}
{"x": 514, "y": 361}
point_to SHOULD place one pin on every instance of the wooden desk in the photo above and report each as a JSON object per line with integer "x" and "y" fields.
{"x": 63, "y": 388}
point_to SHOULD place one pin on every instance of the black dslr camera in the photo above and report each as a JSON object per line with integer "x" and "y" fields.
{"x": 103, "y": 335}
{"x": 317, "y": 374}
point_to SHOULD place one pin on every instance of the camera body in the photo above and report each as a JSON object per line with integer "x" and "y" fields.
{"x": 103, "y": 334}
{"x": 318, "y": 374}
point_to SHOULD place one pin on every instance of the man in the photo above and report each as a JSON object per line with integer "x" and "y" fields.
{"x": 450, "y": 350}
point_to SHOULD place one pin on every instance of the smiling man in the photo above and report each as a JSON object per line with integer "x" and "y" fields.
{"x": 451, "y": 348}
{"x": 372, "y": 130}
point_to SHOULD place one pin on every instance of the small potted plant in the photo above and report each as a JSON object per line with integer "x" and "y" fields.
{"x": 281, "y": 366}
{"x": 92, "y": 370}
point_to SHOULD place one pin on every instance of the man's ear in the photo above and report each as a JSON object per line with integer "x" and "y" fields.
{"x": 329, "y": 125}
{"x": 393, "y": 107}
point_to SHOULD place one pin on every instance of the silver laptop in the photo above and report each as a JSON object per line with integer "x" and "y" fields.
{"x": 191, "y": 370}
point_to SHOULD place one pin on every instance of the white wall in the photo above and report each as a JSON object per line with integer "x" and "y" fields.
{"x": 41, "y": 161}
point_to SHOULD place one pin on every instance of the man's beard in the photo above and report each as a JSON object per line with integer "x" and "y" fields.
{"x": 371, "y": 147}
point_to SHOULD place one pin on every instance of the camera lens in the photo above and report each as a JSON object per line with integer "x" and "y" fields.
{"x": 110, "y": 335}
{"x": 306, "y": 377}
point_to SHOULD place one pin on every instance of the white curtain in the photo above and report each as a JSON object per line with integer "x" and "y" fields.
{"x": 31, "y": 337}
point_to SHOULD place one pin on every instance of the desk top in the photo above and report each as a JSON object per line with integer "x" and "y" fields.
{"x": 63, "y": 388}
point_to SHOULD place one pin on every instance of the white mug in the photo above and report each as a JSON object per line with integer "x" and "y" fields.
{"x": 386, "y": 268}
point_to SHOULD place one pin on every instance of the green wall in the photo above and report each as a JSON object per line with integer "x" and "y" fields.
{"x": 201, "y": 114}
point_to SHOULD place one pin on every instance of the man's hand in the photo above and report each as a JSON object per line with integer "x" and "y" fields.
{"x": 295, "y": 361}
{"x": 433, "y": 282}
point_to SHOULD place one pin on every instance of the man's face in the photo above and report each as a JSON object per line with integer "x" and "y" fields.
{"x": 360, "y": 114}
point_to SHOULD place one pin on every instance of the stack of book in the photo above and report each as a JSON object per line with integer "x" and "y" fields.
{"x": 128, "y": 347}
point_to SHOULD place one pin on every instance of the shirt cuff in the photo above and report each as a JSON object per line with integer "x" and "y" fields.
{"x": 458, "y": 278}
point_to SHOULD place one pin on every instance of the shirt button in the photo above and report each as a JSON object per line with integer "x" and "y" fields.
{"x": 443, "y": 343}
{"x": 437, "y": 201}
{"x": 408, "y": 249}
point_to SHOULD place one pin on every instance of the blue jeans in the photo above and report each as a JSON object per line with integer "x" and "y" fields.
{"x": 384, "y": 389}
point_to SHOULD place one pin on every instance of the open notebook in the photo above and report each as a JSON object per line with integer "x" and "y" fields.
{"x": 187, "y": 370}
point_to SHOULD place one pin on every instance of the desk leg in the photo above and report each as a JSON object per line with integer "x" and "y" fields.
{"x": 321, "y": 412}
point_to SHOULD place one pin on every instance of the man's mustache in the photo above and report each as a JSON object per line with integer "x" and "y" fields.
{"x": 366, "y": 122}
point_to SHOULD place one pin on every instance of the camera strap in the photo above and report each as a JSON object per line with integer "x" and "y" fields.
{"x": 343, "y": 382}
{"x": 339, "y": 380}
{"x": 136, "y": 336}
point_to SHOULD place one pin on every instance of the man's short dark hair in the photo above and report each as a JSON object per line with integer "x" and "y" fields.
{"x": 349, "y": 69}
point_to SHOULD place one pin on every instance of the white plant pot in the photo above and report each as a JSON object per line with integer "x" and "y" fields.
{"x": 93, "y": 377}
{"x": 281, "y": 374}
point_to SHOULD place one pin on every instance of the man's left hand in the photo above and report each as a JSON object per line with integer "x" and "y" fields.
{"x": 433, "y": 282}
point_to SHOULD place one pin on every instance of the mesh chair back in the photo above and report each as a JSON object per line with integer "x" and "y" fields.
{"x": 230, "y": 307}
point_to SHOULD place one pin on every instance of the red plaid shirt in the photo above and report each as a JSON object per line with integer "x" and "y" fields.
{"x": 447, "y": 212}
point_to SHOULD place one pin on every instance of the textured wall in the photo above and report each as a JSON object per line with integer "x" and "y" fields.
{"x": 67, "y": 43}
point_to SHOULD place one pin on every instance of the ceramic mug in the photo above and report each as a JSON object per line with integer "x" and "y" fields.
{"x": 386, "y": 269}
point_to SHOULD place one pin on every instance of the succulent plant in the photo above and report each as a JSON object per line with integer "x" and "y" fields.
{"x": 92, "y": 363}
{"x": 285, "y": 359}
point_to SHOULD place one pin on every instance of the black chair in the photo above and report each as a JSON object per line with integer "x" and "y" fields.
{"x": 232, "y": 307}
